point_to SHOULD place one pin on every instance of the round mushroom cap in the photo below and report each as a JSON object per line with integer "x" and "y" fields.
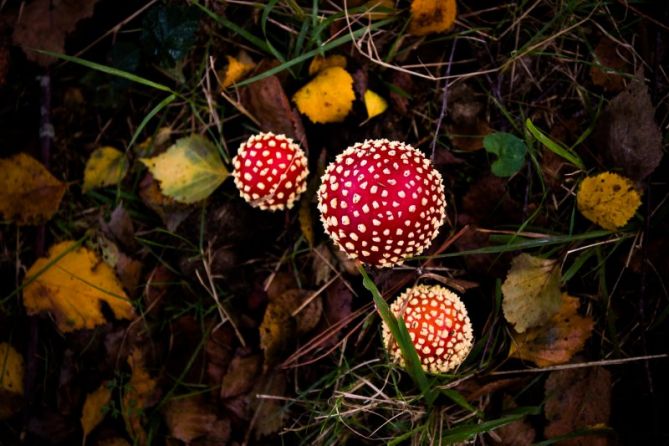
{"x": 381, "y": 201}
{"x": 270, "y": 171}
{"x": 438, "y": 325}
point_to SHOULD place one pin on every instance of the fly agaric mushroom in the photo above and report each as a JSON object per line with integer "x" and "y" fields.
{"x": 270, "y": 171}
{"x": 438, "y": 325}
{"x": 381, "y": 202}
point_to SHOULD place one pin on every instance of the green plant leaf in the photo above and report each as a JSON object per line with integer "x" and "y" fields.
{"x": 189, "y": 171}
{"x": 510, "y": 151}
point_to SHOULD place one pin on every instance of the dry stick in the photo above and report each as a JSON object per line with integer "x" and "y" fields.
{"x": 444, "y": 99}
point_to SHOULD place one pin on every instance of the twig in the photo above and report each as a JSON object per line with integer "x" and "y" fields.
{"x": 580, "y": 365}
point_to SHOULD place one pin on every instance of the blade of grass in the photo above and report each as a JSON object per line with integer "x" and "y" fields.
{"x": 464, "y": 432}
{"x": 553, "y": 146}
{"x": 401, "y": 336}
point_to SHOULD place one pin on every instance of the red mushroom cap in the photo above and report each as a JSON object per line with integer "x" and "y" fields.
{"x": 438, "y": 325}
{"x": 270, "y": 171}
{"x": 381, "y": 202}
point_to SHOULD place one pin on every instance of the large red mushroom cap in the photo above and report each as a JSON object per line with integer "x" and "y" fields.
{"x": 438, "y": 325}
{"x": 381, "y": 201}
{"x": 270, "y": 171}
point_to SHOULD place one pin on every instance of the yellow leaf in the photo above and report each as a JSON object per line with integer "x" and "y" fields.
{"x": 189, "y": 171}
{"x": 154, "y": 143}
{"x": 29, "y": 194}
{"x": 431, "y": 16}
{"x": 531, "y": 291}
{"x": 237, "y": 68}
{"x": 11, "y": 380}
{"x": 374, "y": 103}
{"x": 71, "y": 282}
{"x": 138, "y": 395}
{"x": 608, "y": 199}
{"x": 319, "y": 63}
{"x": 328, "y": 97}
{"x": 556, "y": 341}
{"x": 105, "y": 167}
{"x": 94, "y": 411}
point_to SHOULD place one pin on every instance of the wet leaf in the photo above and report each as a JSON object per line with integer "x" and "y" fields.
{"x": 237, "y": 68}
{"x": 328, "y": 97}
{"x": 139, "y": 394}
{"x": 577, "y": 399}
{"x": 105, "y": 167}
{"x": 629, "y": 133}
{"x": 11, "y": 380}
{"x": 431, "y": 16}
{"x": 71, "y": 283}
{"x": 556, "y": 341}
{"x": 510, "y": 152}
{"x": 95, "y": 408}
{"x": 375, "y": 104}
{"x": 608, "y": 199}
{"x": 319, "y": 63}
{"x": 531, "y": 292}
{"x": 29, "y": 194}
{"x": 189, "y": 171}
{"x": 44, "y": 25}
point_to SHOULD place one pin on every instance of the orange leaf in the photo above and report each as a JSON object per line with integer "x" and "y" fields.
{"x": 94, "y": 408}
{"x": 29, "y": 194}
{"x": 556, "y": 341}
{"x": 431, "y": 16}
{"x": 139, "y": 394}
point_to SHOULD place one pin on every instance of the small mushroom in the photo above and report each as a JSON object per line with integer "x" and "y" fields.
{"x": 438, "y": 325}
{"x": 381, "y": 201}
{"x": 270, "y": 171}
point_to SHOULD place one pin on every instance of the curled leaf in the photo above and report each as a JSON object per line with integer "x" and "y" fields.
{"x": 105, "y": 167}
{"x": 608, "y": 199}
{"x": 328, "y": 97}
{"x": 29, "y": 194}
{"x": 189, "y": 171}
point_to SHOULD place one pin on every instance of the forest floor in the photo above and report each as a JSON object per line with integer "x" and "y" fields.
{"x": 143, "y": 300}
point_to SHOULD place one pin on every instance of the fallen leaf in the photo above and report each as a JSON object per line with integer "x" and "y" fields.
{"x": 328, "y": 97}
{"x": 609, "y": 66}
{"x": 11, "y": 380}
{"x": 488, "y": 201}
{"x": 44, "y": 25}
{"x": 375, "y": 104}
{"x": 510, "y": 151}
{"x": 120, "y": 227}
{"x": 189, "y": 171}
{"x": 105, "y": 167}
{"x": 169, "y": 31}
{"x": 319, "y": 63}
{"x": 237, "y": 68}
{"x": 306, "y": 220}
{"x": 556, "y": 341}
{"x": 531, "y": 292}
{"x": 578, "y": 399}
{"x": 29, "y": 194}
{"x": 4, "y": 62}
{"x": 71, "y": 283}
{"x": 114, "y": 441}
{"x": 379, "y": 9}
{"x": 191, "y": 418}
{"x": 608, "y": 199}
{"x": 95, "y": 408}
{"x": 517, "y": 433}
{"x": 629, "y": 133}
{"x": 170, "y": 211}
{"x": 267, "y": 102}
{"x": 431, "y": 16}
{"x": 268, "y": 404}
{"x": 241, "y": 375}
{"x": 154, "y": 143}
{"x": 466, "y": 109}
{"x": 139, "y": 393}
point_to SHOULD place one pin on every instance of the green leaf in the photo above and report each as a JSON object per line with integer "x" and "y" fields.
{"x": 189, "y": 171}
{"x": 510, "y": 151}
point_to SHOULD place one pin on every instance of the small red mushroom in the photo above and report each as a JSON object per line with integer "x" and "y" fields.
{"x": 270, "y": 171}
{"x": 438, "y": 325}
{"x": 381, "y": 201}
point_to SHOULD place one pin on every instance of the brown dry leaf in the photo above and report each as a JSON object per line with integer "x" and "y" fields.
{"x": 4, "y": 62}
{"x": 608, "y": 199}
{"x": 517, "y": 433}
{"x": 629, "y": 133}
{"x": 319, "y": 63}
{"x": 191, "y": 418}
{"x": 71, "y": 283}
{"x": 531, "y": 292}
{"x": 609, "y": 65}
{"x": 242, "y": 374}
{"x": 268, "y": 103}
{"x": 269, "y": 411}
{"x": 94, "y": 409}
{"x": 328, "y": 97}
{"x": 11, "y": 380}
{"x": 139, "y": 394}
{"x": 29, "y": 194}
{"x": 237, "y": 68}
{"x": 431, "y": 16}
{"x": 578, "y": 399}
{"x": 466, "y": 110}
{"x": 171, "y": 213}
{"x": 45, "y": 23}
{"x": 556, "y": 341}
